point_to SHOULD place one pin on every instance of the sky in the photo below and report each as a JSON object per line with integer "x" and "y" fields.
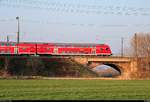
{"x": 75, "y": 21}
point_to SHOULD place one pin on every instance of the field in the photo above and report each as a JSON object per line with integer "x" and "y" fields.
{"x": 74, "y": 89}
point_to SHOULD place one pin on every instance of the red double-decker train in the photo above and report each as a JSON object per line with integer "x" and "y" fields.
{"x": 27, "y": 48}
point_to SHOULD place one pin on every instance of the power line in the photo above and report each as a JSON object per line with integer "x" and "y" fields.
{"x": 82, "y": 11}
{"x": 76, "y": 24}
{"x": 78, "y": 8}
{"x": 65, "y": 4}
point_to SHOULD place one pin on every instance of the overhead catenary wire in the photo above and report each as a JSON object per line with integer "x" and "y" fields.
{"x": 76, "y": 24}
{"x": 76, "y": 8}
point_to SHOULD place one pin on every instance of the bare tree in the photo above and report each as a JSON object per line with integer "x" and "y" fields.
{"x": 34, "y": 66}
{"x": 141, "y": 48}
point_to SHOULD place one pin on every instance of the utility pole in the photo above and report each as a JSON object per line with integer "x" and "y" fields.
{"x": 122, "y": 47}
{"x": 18, "y": 33}
{"x": 7, "y": 38}
{"x": 6, "y": 65}
{"x": 135, "y": 41}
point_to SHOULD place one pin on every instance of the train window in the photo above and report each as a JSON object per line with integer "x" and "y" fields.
{"x": 66, "y": 45}
{"x": 107, "y": 49}
{"x": 48, "y": 48}
{"x": 8, "y": 44}
{"x": 2, "y": 44}
{"x": 13, "y": 44}
{"x": 91, "y": 45}
{"x": 24, "y": 48}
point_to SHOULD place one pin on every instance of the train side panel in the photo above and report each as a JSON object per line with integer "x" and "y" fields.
{"x": 74, "y": 51}
{"x": 45, "y": 49}
{"x": 26, "y": 48}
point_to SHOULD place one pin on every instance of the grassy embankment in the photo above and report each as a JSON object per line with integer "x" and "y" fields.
{"x": 74, "y": 89}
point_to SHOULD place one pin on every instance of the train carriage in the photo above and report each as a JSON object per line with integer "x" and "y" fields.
{"x": 73, "y": 49}
{"x": 80, "y": 49}
{"x": 12, "y": 48}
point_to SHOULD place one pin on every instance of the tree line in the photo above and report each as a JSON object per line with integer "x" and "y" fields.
{"x": 48, "y": 67}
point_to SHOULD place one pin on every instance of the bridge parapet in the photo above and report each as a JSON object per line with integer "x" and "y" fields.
{"x": 110, "y": 59}
{"x": 101, "y": 59}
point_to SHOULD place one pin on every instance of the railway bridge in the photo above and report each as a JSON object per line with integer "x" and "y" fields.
{"x": 125, "y": 65}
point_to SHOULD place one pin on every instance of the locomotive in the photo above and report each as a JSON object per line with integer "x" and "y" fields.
{"x": 27, "y": 48}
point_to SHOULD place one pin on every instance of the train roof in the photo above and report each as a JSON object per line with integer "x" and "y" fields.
{"x": 59, "y": 44}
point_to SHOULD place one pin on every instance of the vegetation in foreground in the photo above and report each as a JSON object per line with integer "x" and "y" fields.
{"x": 74, "y": 89}
{"x": 46, "y": 67}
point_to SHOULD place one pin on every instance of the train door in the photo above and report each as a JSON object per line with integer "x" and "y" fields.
{"x": 94, "y": 50}
{"x": 16, "y": 50}
{"x": 55, "y": 50}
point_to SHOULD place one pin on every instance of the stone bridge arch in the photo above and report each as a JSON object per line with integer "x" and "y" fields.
{"x": 116, "y": 67}
{"x": 126, "y": 65}
{"x": 123, "y": 68}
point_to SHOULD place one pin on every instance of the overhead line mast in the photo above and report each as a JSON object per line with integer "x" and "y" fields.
{"x": 18, "y": 33}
